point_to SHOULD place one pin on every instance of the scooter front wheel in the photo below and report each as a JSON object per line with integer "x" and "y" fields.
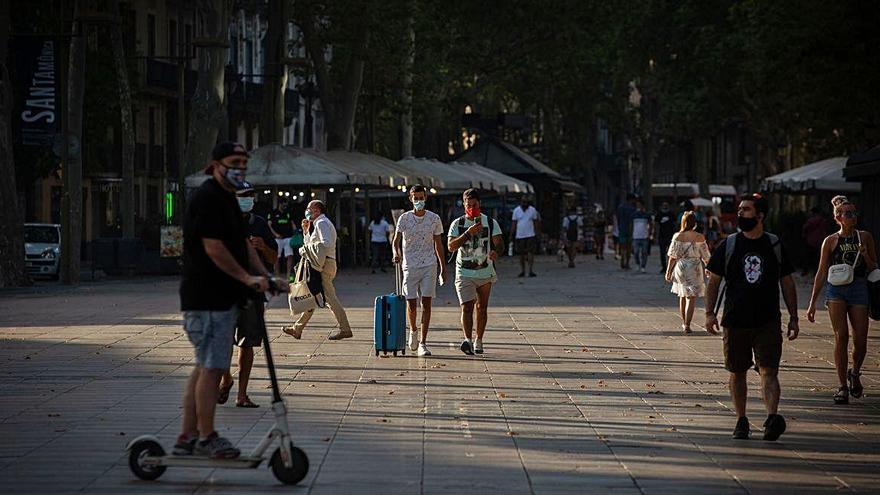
{"x": 141, "y": 450}
{"x": 293, "y": 474}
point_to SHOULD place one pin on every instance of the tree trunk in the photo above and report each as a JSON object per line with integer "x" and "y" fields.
{"x": 339, "y": 109}
{"x": 71, "y": 223}
{"x": 12, "y": 268}
{"x": 405, "y": 122}
{"x": 704, "y": 165}
{"x": 208, "y": 109}
{"x": 126, "y": 120}
{"x": 275, "y": 81}
{"x": 647, "y": 156}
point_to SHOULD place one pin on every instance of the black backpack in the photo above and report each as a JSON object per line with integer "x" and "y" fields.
{"x": 572, "y": 231}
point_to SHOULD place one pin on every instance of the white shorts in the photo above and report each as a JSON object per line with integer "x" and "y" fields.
{"x": 284, "y": 249}
{"x": 466, "y": 287}
{"x": 420, "y": 282}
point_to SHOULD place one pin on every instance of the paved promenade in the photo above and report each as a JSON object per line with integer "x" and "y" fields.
{"x": 588, "y": 385}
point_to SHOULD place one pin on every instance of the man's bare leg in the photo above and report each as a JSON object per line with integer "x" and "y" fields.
{"x": 739, "y": 391}
{"x": 483, "y": 293}
{"x": 245, "y": 365}
{"x": 206, "y": 391}
{"x": 770, "y": 389}
{"x": 190, "y": 426}
{"x": 467, "y": 319}
{"x": 426, "y": 318}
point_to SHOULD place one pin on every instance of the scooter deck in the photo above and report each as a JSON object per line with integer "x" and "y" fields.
{"x": 242, "y": 462}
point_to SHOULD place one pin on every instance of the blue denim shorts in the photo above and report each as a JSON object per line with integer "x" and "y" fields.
{"x": 211, "y": 333}
{"x": 853, "y": 294}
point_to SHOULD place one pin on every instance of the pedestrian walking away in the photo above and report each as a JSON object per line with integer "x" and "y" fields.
{"x": 666, "y": 228}
{"x": 642, "y": 234}
{"x": 813, "y": 232}
{"x": 215, "y": 254}
{"x": 319, "y": 248}
{"x": 688, "y": 253}
{"x": 248, "y": 333}
{"x": 600, "y": 223}
{"x": 477, "y": 241}
{"x": 281, "y": 224}
{"x": 524, "y": 231}
{"x": 380, "y": 230}
{"x": 572, "y": 229}
{"x": 418, "y": 246}
{"x": 624, "y": 218}
{"x": 847, "y": 256}
{"x": 753, "y": 264}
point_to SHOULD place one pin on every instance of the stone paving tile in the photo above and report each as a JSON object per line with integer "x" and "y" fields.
{"x": 587, "y": 385}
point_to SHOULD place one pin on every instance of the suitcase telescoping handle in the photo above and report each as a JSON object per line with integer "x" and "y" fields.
{"x": 398, "y": 279}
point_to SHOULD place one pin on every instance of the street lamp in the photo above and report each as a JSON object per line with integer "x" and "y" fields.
{"x": 230, "y": 84}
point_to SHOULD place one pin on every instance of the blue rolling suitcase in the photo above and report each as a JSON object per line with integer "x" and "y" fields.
{"x": 389, "y": 319}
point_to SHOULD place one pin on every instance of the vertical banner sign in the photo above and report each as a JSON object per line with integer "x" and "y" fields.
{"x": 36, "y": 82}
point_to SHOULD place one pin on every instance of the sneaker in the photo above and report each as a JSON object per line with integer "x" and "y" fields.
{"x": 643, "y": 270}
{"x": 521, "y": 274}
{"x": 216, "y": 447}
{"x": 340, "y": 334}
{"x": 413, "y": 340}
{"x": 466, "y": 347}
{"x": 423, "y": 351}
{"x": 571, "y": 264}
{"x": 185, "y": 445}
{"x": 532, "y": 274}
{"x": 478, "y": 346}
{"x": 774, "y": 427}
{"x": 293, "y": 331}
{"x": 742, "y": 430}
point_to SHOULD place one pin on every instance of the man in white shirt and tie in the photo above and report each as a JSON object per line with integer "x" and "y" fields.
{"x": 320, "y": 249}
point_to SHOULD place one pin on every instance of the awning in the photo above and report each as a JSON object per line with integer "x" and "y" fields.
{"x": 277, "y": 165}
{"x": 690, "y": 189}
{"x": 454, "y": 177}
{"x": 864, "y": 164}
{"x": 366, "y": 169}
{"x": 825, "y": 175}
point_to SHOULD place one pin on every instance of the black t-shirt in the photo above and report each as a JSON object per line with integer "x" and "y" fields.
{"x": 665, "y": 225}
{"x": 258, "y": 227}
{"x": 281, "y": 223}
{"x": 212, "y": 213}
{"x": 752, "y": 297}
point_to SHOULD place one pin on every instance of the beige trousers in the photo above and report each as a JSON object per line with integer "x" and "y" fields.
{"x": 327, "y": 276}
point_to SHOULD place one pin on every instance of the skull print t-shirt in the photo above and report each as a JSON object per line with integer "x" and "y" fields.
{"x": 752, "y": 278}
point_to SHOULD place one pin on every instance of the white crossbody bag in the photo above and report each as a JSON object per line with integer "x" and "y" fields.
{"x": 843, "y": 273}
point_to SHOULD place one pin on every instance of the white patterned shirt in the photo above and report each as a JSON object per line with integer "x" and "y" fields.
{"x": 418, "y": 238}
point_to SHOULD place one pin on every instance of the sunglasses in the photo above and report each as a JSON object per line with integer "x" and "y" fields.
{"x": 849, "y": 214}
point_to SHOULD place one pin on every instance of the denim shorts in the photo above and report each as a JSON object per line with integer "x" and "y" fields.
{"x": 211, "y": 333}
{"x": 853, "y": 294}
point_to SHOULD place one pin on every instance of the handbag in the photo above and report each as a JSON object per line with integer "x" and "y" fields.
{"x": 301, "y": 298}
{"x": 843, "y": 273}
{"x": 874, "y": 294}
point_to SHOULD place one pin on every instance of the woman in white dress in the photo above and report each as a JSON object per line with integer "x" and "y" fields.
{"x": 688, "y": 255}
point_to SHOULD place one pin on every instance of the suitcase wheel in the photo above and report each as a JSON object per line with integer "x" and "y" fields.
{"x": 395, "y": 353}
{"x": 403, "y": 352}
{"x": 377, "y": 352}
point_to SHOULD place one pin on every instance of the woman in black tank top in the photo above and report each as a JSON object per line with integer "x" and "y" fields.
{"x": 846, "y": 303}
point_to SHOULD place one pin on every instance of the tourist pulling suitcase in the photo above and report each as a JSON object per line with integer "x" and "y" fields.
{"x": 389, "y": 317}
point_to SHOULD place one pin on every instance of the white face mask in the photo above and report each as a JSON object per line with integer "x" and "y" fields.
{"x": 419, "y": 204}
{"x": 246, "y": 204}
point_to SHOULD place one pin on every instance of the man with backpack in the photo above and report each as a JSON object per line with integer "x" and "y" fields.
{"x": 754, "y": 265}
{"x": 572, "y": 228}
{"x": 476, "y": 241}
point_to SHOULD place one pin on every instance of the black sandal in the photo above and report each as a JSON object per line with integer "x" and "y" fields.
{"x": 856, "y": 392}
{"x": 223, "y": 396}
{"x": 842, "y": 396}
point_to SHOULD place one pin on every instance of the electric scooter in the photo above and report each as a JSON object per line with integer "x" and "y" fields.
{"x": 148, "y": 461}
